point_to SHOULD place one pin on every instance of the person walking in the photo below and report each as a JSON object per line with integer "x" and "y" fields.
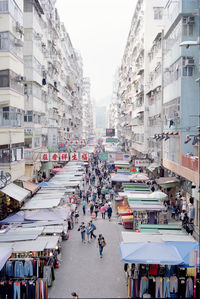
{"x": 112, "y": 192}
{"x": 82, "y": 229}
{"x": 84, "y": 203}
{"x": 96, "y": 209}
{"x": 101, "y": 243}
{"x": 88, "y": 232}
{"x": 93, "y": 227}
{"x": 109, "y": 212}
{"x": 103, "y": 212}
{"x": 74, "y": 295}
{"x": 76, "y": 215}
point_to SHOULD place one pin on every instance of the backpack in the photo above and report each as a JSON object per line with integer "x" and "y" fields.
{"x": 102, "y": 242}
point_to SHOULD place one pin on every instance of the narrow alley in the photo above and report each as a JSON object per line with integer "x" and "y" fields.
{"x": 82, "y": 271}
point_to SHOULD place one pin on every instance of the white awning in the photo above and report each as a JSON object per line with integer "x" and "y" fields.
{"x": 16, "y": 192}
{"x": 5, "y": 253}
{"x": 41, "y": 204}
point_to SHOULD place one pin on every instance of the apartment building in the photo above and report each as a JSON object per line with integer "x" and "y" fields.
{"x": 11, "y": 88}
{"x": 53, "y": 86}
{"x": 87, "y": 107}
{"x": 181, "y": 94}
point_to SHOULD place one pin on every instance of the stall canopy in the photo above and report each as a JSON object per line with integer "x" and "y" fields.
{"x": 149, "y": 253}
{"x": 30, "y": 186}
{"x": 5, "y": 253}
{"x": 41, "y": 204}
{"x": 146, "y": 206}
{"x": 185, "y": 249}
{"x": 158, "y": 194}
{"x": 47, "y": 214}
{"x": 139, "y": 177}
{"x": 16, "y": 192}
{"x": 167, "y": 182}
{"x": 14, "y": 218}
{"x": 45, "y": 184}
{"x": 120, "y": 178}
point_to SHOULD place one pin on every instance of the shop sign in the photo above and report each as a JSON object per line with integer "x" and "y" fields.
{"x": 84, "y": 156}
{"x": 82, "y": 142}
{"x": 141, "y": 163}
{"x": 28, "y": 131}
{"x": 54, "y": 157}
{"x": 44, "y": 157}
{"x": 64, "y": 157}
{"x": 111, "y": 157}
{"x": 62, "y": 146}
{"x": 74, "y": 156}
{"x": 103, "y": 156}
{"x": 126, "y": 157}
{"x": 112, "y": 140}
{"x": 76, "y": 142}
{"x": 71, "y": 142}
{"x": 110, "y": 132}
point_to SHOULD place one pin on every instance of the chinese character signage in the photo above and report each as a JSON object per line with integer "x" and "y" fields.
{"x": 84, "y": 156}
{"x": 110, "y": 132}
{"x": 54, "y": 157}
{"x": 74, "y": 156}
{"x": 103, "y": 156}
{"x": 64, "y": 157}
{"x": 45, "y": 157}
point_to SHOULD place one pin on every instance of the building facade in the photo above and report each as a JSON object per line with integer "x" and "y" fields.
{"x": 87, "y": 120}
{"x": 11, "y": 88}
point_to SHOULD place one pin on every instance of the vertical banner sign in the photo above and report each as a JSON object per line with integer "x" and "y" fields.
{"x": 84, "y": 156}
{"x": 54, "y": 157}
{"x": 74, "y": 156}
{"x": 64, "y": 157}
{"x": 45, "y": 157}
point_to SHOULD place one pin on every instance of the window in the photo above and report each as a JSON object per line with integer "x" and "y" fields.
{"x": 188, "y": 26}
{"x": 3, "y": 5}
{"x": 28, "y": 117}
{"x": 4, "y": 78}
{"x": 158, "y": 13}
{"x": 4, "y": 155}
{"x": 3, "y": 40}
{"x": 188, "y": 66}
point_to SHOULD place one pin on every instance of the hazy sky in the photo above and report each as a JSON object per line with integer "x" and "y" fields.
{"x": 98, "y": 30}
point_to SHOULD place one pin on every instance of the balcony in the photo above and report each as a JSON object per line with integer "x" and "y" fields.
{"x": 190, "y": 162}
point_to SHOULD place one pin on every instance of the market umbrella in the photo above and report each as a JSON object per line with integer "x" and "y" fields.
{"x": 158, "y": 194}
{"x": 139, "y": 177}
{"x": 59, "y": 170}
{"x": 186, "y": 249}
{"x": 150, "y": 253}
{"x": 45, "y": 184}
{"x": 5, "y": 253}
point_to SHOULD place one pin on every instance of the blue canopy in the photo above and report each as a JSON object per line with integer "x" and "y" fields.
{"x": 45, "y": 184}
{"x": 150, "y": 253}
{"x": 184, "y": 249}
{"x": 14, "y": 218}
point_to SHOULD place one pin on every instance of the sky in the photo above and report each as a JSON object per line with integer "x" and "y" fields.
{"x": 98, "y": 30}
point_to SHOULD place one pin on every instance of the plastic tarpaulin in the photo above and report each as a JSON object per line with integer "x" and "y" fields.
{"x": 15, "y": 218}
{"x": 16, "y": 192}
{"x": 185, "y": 249}
{"x": 150, "y": 253}
{"x": 47, "y": 214}
{"x": 45, "y": 184}
{"x": 5, "y": 253}
{"x": 41, "y": 204}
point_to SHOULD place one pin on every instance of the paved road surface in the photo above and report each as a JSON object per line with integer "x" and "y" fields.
{"x": 82, "y": 271}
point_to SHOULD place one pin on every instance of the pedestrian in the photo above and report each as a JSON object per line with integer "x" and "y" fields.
{"x": 103, "y": 211}
{"x": 96, "y": 209}
{"x": 109, "y": 212}
{"x": 80, "y": 194}
{"x": 93, "y": 227}
{"x": 82, "y": 229}
{"x": 84, "y": 203}
{"x": 176, "y": 212}
{"x": 112, "y": 192}
{"x": 101, "y": 243}
{"x": 173, "y": 212}
{"x": 182, "y": 217}
{"x": 76, "y": 215}
{"x": 74, "y": 295}
{"x": 185, "y": 220}
{"x": 91, "y": 207}
{"x": 88, "y": 232}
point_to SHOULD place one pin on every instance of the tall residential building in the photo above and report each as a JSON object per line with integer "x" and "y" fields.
{"x": 11, "y": 88}
{"x": 138, "y": 78}
{"x": 181, "y": 94}
{"x": 53, "y": 87}
{"x": 87, "y": 107}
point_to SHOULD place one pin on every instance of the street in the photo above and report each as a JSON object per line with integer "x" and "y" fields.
{"x": 82, "y": 271}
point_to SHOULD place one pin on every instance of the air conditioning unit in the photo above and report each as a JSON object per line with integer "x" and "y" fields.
{"x": 189, "y": 61}
{"x": 20, "y": 78}
{"x": 18, "y": 42}
{"x": 190, "y": 20}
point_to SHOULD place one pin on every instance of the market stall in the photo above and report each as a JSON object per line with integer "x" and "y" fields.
{"x": 159, "y": 269}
